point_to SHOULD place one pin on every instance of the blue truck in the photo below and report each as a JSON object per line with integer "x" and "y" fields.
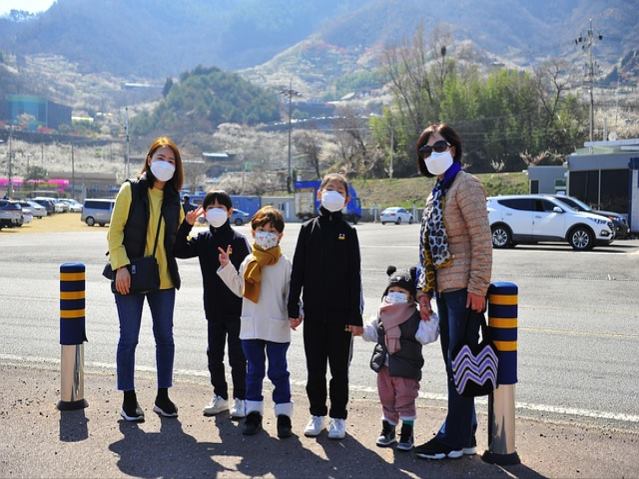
{"x": 307, "y": 204}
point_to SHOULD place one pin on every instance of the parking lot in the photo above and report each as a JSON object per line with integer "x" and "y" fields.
{"x": 578, "y": 313}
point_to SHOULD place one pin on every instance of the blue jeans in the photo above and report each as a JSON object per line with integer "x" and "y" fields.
{"x": 162, "y": 303}
{"x": 277, "y": 369}
{"x": 455, "y": 325}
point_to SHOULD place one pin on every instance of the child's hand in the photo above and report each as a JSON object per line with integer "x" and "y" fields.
{"x": 424, "y": 307}
{"x": 355, "y": 330}
{"x": 192, "y": 215}
{"x": 295, "y": 322}
{"x": 224, "y": 256}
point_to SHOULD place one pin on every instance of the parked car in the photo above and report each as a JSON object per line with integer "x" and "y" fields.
{"x": 73, "y": 205}
{"x": 62, "y": 205}
{"x": 10, "y": 214}
{"x": 396, "y": 215}
{"x": 95, "y": 210}
{"x": 538, "y": 218}
{"x": 622, "y": 230}
{"x": 37, "y": 211}
{"x": 47, "y": 204}
{"x": 57, "y": 206}
{"x": 27, "y": 216}
{"x": 239, "y": 217}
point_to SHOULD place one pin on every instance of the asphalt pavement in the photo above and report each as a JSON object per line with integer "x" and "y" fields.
{"x": 577, "y": 315}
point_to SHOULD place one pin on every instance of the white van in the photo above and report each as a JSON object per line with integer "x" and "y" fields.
{"x": 95, "y": 210}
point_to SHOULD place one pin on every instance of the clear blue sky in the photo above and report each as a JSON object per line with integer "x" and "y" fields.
{"x": 32, "y": 6}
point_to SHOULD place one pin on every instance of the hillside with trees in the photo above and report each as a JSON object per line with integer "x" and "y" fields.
{"x": 202, "y": 99}
{"x": 507, "y": 118}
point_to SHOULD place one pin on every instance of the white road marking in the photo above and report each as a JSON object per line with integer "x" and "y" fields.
{"x": 522, "y": 406}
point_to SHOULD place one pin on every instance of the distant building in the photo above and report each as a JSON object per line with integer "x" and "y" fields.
{"x": 547, "y": 180}
{"x": 46, "y": 113}
{"x": 605, "y": 174}
{"x": 89, "y": 184}
{"x": 218, "y": 163}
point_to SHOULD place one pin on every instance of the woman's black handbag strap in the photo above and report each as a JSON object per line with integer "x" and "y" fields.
{"x": 157, "y": 234}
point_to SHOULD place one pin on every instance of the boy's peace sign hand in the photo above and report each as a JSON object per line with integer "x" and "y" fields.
{"x": 192, "y": 215}
{"x": 224, "y": 256}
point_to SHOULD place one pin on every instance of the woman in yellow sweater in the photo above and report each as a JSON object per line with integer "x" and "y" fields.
{"x": 145, "y": 221}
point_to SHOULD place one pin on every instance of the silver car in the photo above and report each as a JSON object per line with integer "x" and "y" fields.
{"x": 95, "y": 210}
{"x": 38, "y": 211}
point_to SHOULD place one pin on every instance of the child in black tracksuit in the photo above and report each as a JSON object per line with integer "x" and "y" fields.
{"x": 326, "y": 270}
{"x": 221, "y": 306}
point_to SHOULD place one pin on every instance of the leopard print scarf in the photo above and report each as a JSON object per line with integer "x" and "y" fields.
{"x": 433, "y": 249}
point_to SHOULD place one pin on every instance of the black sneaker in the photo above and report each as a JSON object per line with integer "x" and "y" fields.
{"x": 436, "y": 450}
{"x": 252, "y": 423}
{"x": 165, "y": 407}
{"x": 131, "y": 410}
{"x": 471, "y": 449}
{"x": 284, "y": 428}
{"x": 387, "y": 436}
{"x": 406, "y": 440}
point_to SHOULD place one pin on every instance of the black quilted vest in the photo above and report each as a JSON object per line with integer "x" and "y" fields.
{"x": 408, "y": 361}
{"x": 136, "y": 224}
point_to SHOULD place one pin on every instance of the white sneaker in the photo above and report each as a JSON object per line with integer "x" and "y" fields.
{"x": 239, "y": 409}
{"x": 337, "y": 429}
{"x": 217, "y": 405}
{"x": 314, "y": 426}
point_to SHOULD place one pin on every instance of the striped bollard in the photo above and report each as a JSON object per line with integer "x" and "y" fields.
{"x": 72, "y": 336}
{"x": 502, "y": 322}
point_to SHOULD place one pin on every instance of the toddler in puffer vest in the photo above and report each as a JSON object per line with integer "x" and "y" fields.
{"x": 397, "y": 359}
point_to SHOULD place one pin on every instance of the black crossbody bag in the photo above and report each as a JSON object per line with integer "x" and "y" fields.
{"x": 145, "y": 272}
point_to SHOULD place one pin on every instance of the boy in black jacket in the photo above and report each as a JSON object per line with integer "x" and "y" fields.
{"x": 221, "y": 306}
{"x": 326, "y": 268}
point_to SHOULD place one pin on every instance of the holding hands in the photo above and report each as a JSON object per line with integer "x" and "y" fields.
{"x": 295, "y": 322}
{"x": 192, "y": 215}
{"x": 354, "y": 330}
{"x": 424, "y": 307}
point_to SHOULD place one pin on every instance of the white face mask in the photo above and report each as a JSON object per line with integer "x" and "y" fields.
{"x": 162, "y": 170}
{"x": 266, "y": 239}
{"x": 216, "y": 217}
{"x": 332, "y": 201}
{"x": 438, "y": 163}
{"x": 395, "y": 297}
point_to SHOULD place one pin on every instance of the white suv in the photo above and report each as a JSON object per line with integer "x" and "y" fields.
{"x": 534, "y": 218}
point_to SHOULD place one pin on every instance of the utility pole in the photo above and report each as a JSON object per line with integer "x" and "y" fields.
{"x": 587, "y": 40}
{"x": 290, "y": 93}
{"x": 128, "y": 151}
{"x": 72, "y": 172}
{"x": 10, "y": 184}
{"x": 392, "y": 148}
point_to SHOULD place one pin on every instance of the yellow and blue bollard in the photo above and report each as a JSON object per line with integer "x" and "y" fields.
{"x": 72, "y": 336}
{"x": 502, "y": 323}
